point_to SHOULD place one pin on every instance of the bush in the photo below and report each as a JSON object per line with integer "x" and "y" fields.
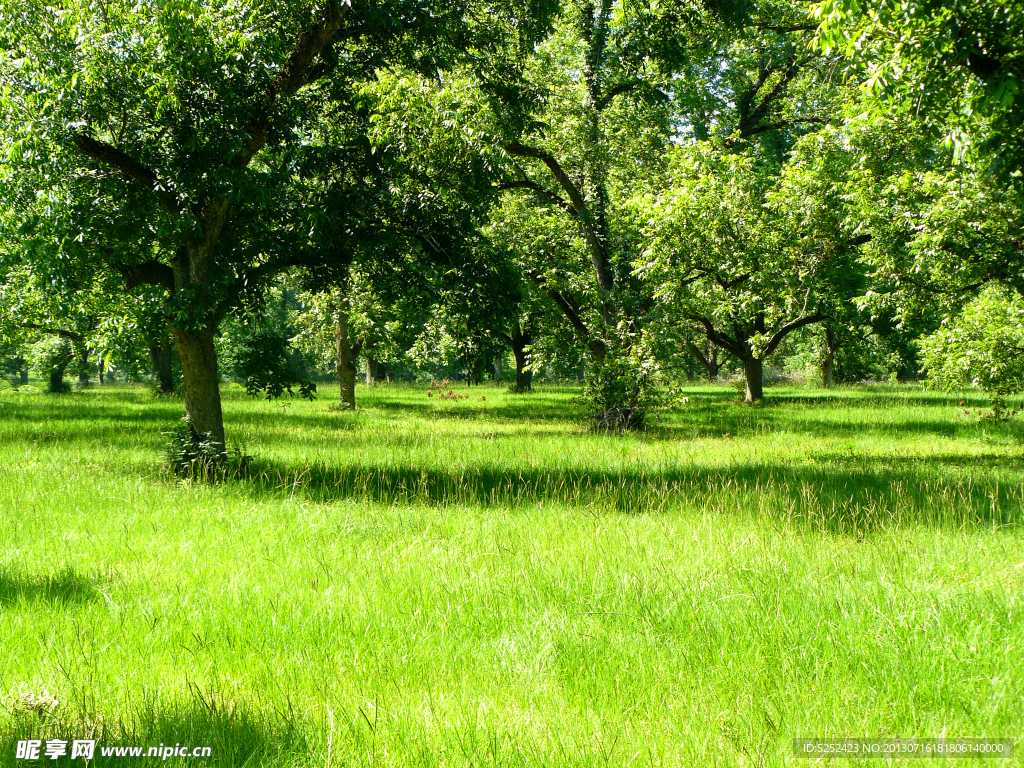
{"x": 196, "y": 455}
{"x": 622, "y": 388}
{"x": 981, "y": 347}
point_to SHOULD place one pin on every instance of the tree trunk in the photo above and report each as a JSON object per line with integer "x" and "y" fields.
{"x": 24, "y": 375}
{"x": 709, "y": 360}
{"x": 83, "y": 366}
{"x": 828, "y": 363}
{"x": 524, "y": 380}
{"x": 57, "y": 379}
{"x": 346, "y": 360}
{"x": 198, "y": 358}
{"x": 163, "y": 373}
{"x": 499, "y": 373}
{"x": 753, "y": 368}
{"x": 101, "y": 367}
{"x": 826, "y": 370}
{"x": 520, "y": 341}
{"x": 375, "y": 370}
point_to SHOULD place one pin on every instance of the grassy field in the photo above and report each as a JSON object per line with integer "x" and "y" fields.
{"x": 426, "y": 583}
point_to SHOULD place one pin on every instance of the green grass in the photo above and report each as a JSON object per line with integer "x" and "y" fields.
{"x": 486, "y": 583}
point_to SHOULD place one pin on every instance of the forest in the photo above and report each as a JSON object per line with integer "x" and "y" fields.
{"x": 510, "y": 382}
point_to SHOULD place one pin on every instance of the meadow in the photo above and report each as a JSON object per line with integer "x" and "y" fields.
{"x": 488, "y": 583}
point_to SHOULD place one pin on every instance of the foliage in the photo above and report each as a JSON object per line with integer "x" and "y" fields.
{"x": 959, "y": 62}
{"x": 50, "y": 358}
{"x": 190, "y": 146}
{"x": 622, "y": 389}
{"x": 192, "y": 454}
{"x": 256, "y": 349}
{"x": 266, "y": 363}
{"x": 743, "y": 253}
{"x": 934, "y": 230}
{"x": 982, "y": 347}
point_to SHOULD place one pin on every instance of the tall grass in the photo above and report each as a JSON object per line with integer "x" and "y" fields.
{"x": 485, "y": 582}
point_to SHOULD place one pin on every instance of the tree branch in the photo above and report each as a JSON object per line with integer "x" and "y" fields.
{"x": 70, "y": 335}
{"x": 293, "y": 75}
{"x": 521, "y": 150}
{"x": 695, "y": 351}
{"x": 605, "y": 278}
{"x": 128, "y": 166}
{"x": 729, "y": 345}
{"x": 781, "y": 124}
{"x": 543, "y": 192}
{"x": 780, "y": 334}
{"x": 785, "y": 29}
{"x": 626, "y": 87}
{"x": 596, "y": 345}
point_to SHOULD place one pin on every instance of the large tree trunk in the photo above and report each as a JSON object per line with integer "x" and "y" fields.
{"x": 520, "y": 341}
{"x": 198, "y": 358}
{"x": 83, "y": 366}
{"x": 57, "y": 379}
{"x": 163, "y": 373}
{"x": 753, "y": 369}
{"x": 346, "y": 360}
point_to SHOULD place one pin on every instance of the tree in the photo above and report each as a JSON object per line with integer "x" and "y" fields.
{"x": 71, "y": 320}
{"x": 935, "y": 231}
{"x": 162, "y": 140}
{"x": 744, "y": 256}
{"x": 403, "y": 204}
{"x": 958, "y": 63}
{"x": 983, "y": 347}
{"x": 614, "y": 88}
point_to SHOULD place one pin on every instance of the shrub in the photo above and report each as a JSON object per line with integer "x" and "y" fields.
{"x": 622, "y": 388}
{"x": 197, "y": 456}
{"x": 983, "y": 347}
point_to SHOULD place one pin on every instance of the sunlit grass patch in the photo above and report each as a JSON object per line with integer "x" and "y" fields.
{"x": 486, "y": 582}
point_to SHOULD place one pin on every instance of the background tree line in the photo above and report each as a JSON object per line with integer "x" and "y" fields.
{"x": 624, "y": 192}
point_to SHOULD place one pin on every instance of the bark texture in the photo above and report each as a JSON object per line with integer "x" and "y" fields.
{"x": 56, "y": 385}
{"x": 163, "y": 373}
{"x": 198, "y": 359}
{"x": 346, "y": 361}
{"x": 753, "y": 369}
{"x": 520, "y": 341}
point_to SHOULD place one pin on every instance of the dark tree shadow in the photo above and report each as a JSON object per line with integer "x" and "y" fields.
{"x": 838, "y": 495}
{"x": 64, "y": 587}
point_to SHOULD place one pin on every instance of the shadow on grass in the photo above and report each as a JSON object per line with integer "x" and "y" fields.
{"x": 837, "y": 499}
{"x": 712, "y": 412}
{"x": 235, "y": 736}
{"x": 64, "y": 587}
